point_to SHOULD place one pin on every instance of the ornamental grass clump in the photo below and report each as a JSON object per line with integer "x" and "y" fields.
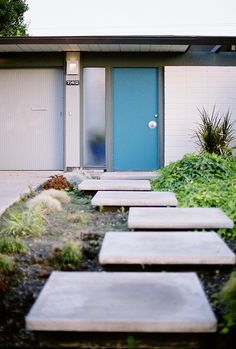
{"x": 69, "y": 256}
{"x": 11, "y": 245}
{"x": 59, "y": 195}
{"x": 29, "y": 222}
{"x": 215, "y": 132}
{"x": 6, "y": 264}
{"x": 44, "y": 202}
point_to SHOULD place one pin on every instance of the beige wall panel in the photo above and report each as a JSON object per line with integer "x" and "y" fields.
{"x": 31, "y": 119}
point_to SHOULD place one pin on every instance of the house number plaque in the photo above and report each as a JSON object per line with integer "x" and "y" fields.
{"x": 72, "y": 82}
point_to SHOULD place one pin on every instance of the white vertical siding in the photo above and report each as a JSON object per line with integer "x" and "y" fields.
{"x": 189, "y": 88}
{"x": 31, "y": 119}
{"x": 72, "y": 118}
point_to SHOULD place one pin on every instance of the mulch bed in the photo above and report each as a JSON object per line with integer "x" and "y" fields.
{"x": 19, "y": 290}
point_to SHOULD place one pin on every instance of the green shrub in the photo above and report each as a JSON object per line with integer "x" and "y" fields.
{"x": 6, "y": 264}
{"x": 206, "y": 180}
{"x": 11, "y": 245}
{"x": 215, "y": 132}
{"x": 29, "y": 222}
{"x": 228, "y": 297}
{"x": 70, "y": 255}
{"x": 193, "y": 167}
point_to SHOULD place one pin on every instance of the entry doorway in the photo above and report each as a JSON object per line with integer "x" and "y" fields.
{"x": 135, "y": 119}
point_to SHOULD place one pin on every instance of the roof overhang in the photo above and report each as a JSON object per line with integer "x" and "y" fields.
{"x": 210, "y": 44}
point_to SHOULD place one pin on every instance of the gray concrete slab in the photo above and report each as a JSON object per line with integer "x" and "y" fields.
{"x": 134, "y": 198}
{"x": 163, "y": 248}
{"x": 122, "y": 302}
{"x": 129, "y": 175}
{"x": 100, "y": 184}
{"x": 178, "y": 218}
{"x": 15, "y": 183}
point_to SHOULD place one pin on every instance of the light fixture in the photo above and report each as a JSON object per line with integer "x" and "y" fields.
{"x": 72, "y": 67}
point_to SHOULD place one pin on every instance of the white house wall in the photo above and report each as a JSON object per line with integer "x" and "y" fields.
{"x": 189, "y": 88}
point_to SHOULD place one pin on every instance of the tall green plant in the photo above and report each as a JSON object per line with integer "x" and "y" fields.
{"x": 28, "y": 222}
{"x": 6, "y": 264}
{"x": 12, "y": 245}
{"x": 215, "y": 132}
{"x": 70, "y": 255}
{"x": 228, "y": 298}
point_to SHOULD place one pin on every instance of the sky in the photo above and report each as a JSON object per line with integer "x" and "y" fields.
{"x": 131, "y": 17}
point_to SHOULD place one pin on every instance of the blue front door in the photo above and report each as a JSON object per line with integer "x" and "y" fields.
{"x": 135, "y": 105}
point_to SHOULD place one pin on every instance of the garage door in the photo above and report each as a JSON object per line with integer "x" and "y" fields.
{"x": 31, "y": 119}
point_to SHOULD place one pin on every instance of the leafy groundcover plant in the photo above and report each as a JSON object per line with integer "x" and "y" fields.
{"x": 207, "y": 180}
{"x": 202, "y": 180}
{"x": 228, "y": 298}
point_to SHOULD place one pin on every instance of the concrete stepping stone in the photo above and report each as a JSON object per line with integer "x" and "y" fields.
{"x": 178, "y": 218}
{"x": 129, "y": 175}
{"x": 163, "y": 248}
{"x": 99, "y": 184}
{"x": 134, "y": 198}
{"x": 122, "y": 302}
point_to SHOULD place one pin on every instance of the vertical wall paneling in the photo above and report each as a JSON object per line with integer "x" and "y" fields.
{"x": 31, "y": 119}
{"x": 189, "y": 88}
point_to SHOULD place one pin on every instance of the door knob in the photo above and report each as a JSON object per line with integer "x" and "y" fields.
{"x": 152, "y": 124}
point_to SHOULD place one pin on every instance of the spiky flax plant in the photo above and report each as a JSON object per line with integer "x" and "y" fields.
{"x": 215, "y": 132}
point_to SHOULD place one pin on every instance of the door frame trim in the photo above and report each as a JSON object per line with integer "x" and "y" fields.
{"x": 161, "y": 116}
{"x": 115, "y": 63}
{"x": 109, "y": 120}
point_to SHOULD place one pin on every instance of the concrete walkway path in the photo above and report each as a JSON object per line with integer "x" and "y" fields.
{"x": 134, "y": 198}
{"x": 142, "y": 175}
{"x": 122, "y": 302}
{"x": 165, "y": 248}
{"x": 114, "y": 185}
{"x": 166, "y": 302}
{"x": 15, "y": 183}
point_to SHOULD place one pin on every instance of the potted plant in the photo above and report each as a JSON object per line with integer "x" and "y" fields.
{"x": 97, "y": 145}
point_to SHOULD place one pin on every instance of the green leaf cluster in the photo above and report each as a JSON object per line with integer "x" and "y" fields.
{"x": 204, "y": 180}
{"x": 228, "y": 298}
{"x": 12, "y": 17}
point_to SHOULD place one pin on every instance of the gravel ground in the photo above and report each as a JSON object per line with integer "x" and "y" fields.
{"x": 19, "y": 290}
